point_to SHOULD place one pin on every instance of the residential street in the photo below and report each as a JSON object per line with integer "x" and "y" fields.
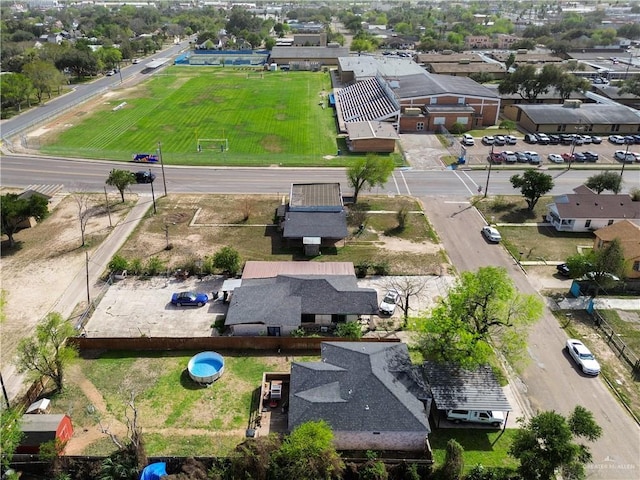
{"x": 551, "y": 381}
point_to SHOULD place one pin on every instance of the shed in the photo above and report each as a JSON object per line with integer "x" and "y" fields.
{"x": 39, "y": 407}
{"x": 39, "y": 429}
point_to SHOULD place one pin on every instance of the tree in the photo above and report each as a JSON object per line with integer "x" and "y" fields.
{"x": 605, "y": 181}
{"x": 350, "y": 330}
{"x": 120, "y": 179}
{"x": 44, "y": 76}
{"x": 15, "y": 89}
{"x": 46, "y": 354}
{"x": 631, "y": 85}
{"x": 601, "y": 265}
{"x": 15, "y": 210}
{"x": 250, "y": 460}
{"x": 227, "y": 259}
{"x": 10, "y": 434}
{"x": 82, "y": 63}
{"x": 525, "y": 82}
{"x": 508, "y": 63}
{"x": 407, "y": 287}
{"x": 532, "y": 184}
{"x": 308, "y": 454}
{"x": 546, "y": 443}
{"x": 508, "y": 125}
{"x": 453, "y": 461}
{"x": 481, "y": 306}
{"x": 368, "y": 172}
{"x": 361, "y": 45}
{"x": 86, "y": 210}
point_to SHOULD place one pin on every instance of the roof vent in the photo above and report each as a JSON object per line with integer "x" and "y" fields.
{"x": 366, "y": 407}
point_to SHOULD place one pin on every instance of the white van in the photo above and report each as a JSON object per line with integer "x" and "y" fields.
{"x": 468, "y": 140}
{"x": 487, "y": 417}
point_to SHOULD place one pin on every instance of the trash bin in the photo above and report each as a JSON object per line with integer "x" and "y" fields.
{"x": 339, "y": 152}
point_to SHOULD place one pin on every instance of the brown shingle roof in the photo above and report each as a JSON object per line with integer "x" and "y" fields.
{"x": 587, "y": 204}
{"x": 627, "y": 232}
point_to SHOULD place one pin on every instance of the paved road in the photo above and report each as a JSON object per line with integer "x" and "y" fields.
{"x": 21, "y": 171}
{"x": 551, "y": 381}
{"x": 81, "y": 93}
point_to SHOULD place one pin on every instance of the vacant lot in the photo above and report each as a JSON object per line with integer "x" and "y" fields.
{"x": 197, "y": 227}
{"x": 278, "y": 119}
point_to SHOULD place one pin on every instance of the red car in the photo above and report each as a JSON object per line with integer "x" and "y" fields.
{"x": 495, "y": 157}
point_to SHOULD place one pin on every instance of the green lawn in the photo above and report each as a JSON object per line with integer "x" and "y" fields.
{"x": 281, "y": 118}
{"x": 543, "y": 243}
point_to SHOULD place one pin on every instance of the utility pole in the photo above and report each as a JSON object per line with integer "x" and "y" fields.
{"x": 86, "y": 266}
{"x": 486, "y": 187}
{"x": 164, "y": 180}
{"x": 153, "y": 196}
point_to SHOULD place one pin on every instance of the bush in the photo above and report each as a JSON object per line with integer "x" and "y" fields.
{"x": 118, "y": 264}
{"x": 381, "y": 268}
{"x": 401, "y": 216}
{"x": 135, "y": 267}
{"x": 362, "y": 268}
{"x": 457, "y": 128}
{"x": 155, "y": 266}
{"x": 351, "y": 330}
{"x": 227, "y": 259}
{"x": 635, "y": 194}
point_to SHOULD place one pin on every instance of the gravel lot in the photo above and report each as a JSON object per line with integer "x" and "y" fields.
{"x": 133, "y": 307}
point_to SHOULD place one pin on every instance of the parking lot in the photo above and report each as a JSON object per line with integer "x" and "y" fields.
{"x": 478, "y": 154}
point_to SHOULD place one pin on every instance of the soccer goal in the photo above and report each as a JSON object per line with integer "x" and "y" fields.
{"x": 217, "y": 144}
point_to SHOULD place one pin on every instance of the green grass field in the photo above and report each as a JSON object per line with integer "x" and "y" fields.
{"x": 279, "y": 119}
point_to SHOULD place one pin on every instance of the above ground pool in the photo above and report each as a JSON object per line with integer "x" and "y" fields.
{"x": 206, "y": 367}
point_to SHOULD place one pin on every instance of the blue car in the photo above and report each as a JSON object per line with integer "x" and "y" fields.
{"x": 184, "y": 299}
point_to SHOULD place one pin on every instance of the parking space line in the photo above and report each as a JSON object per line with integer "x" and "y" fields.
{"x": 404, "y": 180}
{"x": 472, "y": 180}
{"x": 464, "y": 183}
{"x": 396, "y": 183}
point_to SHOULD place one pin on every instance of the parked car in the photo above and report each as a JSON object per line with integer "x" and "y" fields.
{"x": 566, "y": 139}
{"x": 530, "y": 138}
{"x": 491, "y": 234}
{"x": 591, "y": 156}
{"x": 499, "y": 140}
{"x": 629, "y": 139}
{"x": 563, "y": 269}
{"x": 136, "y": 61}
{"x": 623, "y": 156}
{"x": 578, "y": 140}
{"x": 184, "y": 299}
{"x": 555, "y": 158}
{"x": 495, "y": 157}
{"x": 493, "y": 418}
{"x": 592, "y": 276}
{"x": 511, "y": 140}
{"x": 467, "y": 140}
{"x": 579, "y": 157}
{"x": 389, "y": 302}
{"x": 488, "y": 140}
{"x": 616, "y": 139}
{"x": 522, "y": 157}
{"x": 532, "y": 157}
{"x": 583, "y": 357}
{"x": 596, "y": 140}
{"x": 144, "y": 176}
{"x": 509, "y": 156}
{"x": 542, "y": 138}
{"x": 637, "y": 155}
{"x": 110, "y": 73}
{"x": 636, "y": 139}
{"x": 586, "y": 139}
{"x": 554, "y": 139}
{"x": 568, "y": 157}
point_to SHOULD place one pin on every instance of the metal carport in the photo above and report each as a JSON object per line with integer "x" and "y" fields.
{"x": 455, "y": 388}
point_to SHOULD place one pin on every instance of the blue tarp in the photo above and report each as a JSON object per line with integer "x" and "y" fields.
{"x": 154, "y": 471}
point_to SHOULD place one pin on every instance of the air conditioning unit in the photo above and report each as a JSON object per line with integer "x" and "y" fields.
{"x": 324, "y": 329}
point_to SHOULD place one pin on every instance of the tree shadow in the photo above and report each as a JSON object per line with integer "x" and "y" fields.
{"x": 6, "y": 250}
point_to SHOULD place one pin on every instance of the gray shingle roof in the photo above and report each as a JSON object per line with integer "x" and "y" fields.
{"x": 284, "y": 299}
{"x": 453, "y": 387}
{"x": 315, "y": 224}
{"x": 426, "y": 84}
{"x": 368, "y": 387}
{"x": 588, "y": 114}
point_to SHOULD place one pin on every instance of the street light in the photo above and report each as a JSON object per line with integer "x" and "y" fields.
{"x": 624, "y": 159}
{"x": 164, "y": 180}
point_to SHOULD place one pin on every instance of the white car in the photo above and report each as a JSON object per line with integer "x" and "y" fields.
{"x": 511, "y": 140}
{"x": 583, "y": 357}
{"x": 616, "y": 139}
{"x": 626, "y": 157}
{"x": 488, "y": 140}
{"x": 533, "y": 157}
{"x": 491, "y": 234}
{"x": 467, "y": 140}
{"x": 389, "y": 302}
{"x": 555, "y": 158}
{"x": 509, "y": 156}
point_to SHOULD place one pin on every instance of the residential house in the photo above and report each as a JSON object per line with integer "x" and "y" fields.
{"x": 628, "y": 234}
{"x": 277, "y": 299}
{"x": 314, "y": 216}
{"x": 371, "y": 395}
{"x": 586, "y": 211}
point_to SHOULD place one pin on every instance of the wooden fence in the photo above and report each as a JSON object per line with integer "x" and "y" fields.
{"x": 245, "y": 344}
{"x": 614, "y": 340}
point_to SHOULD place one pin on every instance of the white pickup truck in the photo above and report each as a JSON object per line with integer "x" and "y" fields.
{"x": 488, "y": 417}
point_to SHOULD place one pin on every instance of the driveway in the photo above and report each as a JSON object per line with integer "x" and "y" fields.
{"x": 133, "y": 308}
{"x": 550, "y": 381}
